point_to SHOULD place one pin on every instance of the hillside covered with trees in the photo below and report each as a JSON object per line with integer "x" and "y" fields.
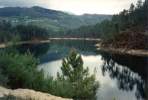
{"x": 128, "y": 29}
{"x": 52, "y": 20}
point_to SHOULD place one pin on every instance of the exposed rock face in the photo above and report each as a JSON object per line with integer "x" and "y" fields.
{"x": 26, "y": 94}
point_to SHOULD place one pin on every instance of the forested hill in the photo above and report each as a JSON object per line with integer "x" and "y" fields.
{"x": 50, "y": 19}
{"x": 128, "y": 29}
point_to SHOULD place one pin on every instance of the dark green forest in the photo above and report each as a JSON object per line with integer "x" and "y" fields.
{"x": 128, "y": 29}
{"x": 21, "y": 32}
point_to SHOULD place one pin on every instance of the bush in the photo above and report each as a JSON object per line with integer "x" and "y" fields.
{"x": 20, "y": 71}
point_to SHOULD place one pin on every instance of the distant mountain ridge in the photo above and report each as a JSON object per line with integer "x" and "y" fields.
{"x": 37, "y": 11}
{"x": 26, "y": 11}
{"x": 50, "y": 19}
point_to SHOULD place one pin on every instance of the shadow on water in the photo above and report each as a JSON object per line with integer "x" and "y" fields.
{"x": 131, "y": 72}
{"x": 36, "y": 49}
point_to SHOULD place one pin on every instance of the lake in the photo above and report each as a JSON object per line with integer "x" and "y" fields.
{"x": 121, "y": 77}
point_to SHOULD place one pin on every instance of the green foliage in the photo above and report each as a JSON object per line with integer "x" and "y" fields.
{"x": 30, "y": 32}
{"x": 133, "y": 20}
{"x": 17, "y": 68}
{"x": 3, "y": 79}
{"x": 21, "y": 32}
{"x": 5, "y": 31}
{"x": 109, "y": 29}
{"x": 81, "y": 85}
{"x": 20, "y": 71}
{"x": 84, "y": 31}
{"x": 61, "y": 88}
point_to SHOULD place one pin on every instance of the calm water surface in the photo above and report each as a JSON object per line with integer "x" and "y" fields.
{"x": 121, "y": 77}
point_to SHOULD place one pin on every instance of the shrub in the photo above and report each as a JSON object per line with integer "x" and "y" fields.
{"x": 20, "y": 71}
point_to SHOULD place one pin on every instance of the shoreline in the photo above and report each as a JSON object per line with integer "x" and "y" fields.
{"x": 27, "y": 94}
{"x": 87, "y": 39}
{"x": 4, "y": 45}
{"x": 123, "y": 51}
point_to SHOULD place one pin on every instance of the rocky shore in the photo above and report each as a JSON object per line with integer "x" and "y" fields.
{"x": 26, "y": 94}
{"x": 123, "y": 51}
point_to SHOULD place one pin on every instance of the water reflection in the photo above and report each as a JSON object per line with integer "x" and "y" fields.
{"x": 127, "y": 80}
{"x": 108, "y": 89}
{"x": 121, "y": 77}
{"x": 59, "y": 49}
{"x": 36, "y": 49}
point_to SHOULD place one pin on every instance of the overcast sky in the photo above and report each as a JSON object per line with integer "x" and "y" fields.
{"x": 74, "y": 6}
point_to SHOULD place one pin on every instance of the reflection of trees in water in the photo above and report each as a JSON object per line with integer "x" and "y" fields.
{"x": 126, "y": 79}
{"x": 58, "y": 49}
{"x": 80, "y": 45}
{"x": 36, "y": 49}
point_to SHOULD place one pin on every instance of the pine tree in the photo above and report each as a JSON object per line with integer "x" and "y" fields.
{"x": 84, "y": 85}
{"x": 132, "y": 7}
{"x": 139, "y": 4}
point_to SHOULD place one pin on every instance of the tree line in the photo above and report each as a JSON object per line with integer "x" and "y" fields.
{"x": 24, "y": 32}
{"x": 128, "y": 29}
{"x": 134, "y": 19}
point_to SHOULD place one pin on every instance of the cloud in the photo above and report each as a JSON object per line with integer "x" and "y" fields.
{"x": 22, "y": 3}
{"x": 91, "y": 6}
{"x": 74, "y": 6}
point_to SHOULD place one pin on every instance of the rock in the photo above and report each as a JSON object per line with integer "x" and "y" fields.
{"x": 27, "y": 94}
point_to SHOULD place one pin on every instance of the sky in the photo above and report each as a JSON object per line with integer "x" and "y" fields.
{"x": 74, "y": 6}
